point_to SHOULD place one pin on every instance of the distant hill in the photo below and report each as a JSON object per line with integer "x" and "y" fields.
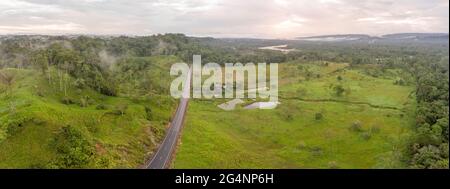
{"x": 421, "y": 37}
{"x": 414, "y": 35}
{"x": 331, "y": 38}
{"x": 397, "y": 37}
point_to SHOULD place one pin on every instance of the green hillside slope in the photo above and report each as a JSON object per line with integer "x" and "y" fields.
{"x": 54, "y": 123}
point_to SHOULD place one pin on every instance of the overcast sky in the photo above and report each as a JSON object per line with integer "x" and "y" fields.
{"x": 223, "y": 18}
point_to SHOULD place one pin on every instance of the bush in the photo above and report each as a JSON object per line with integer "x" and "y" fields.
{"x": 86, "y": 101}
{"x": 67, "y": 100}
{"x": 318, "y": 116}
{"x": 333, "y": 165}
{"x": 8, "y": 80}
{"x": 289, "y": 117}
{"x": 148, "y": 113}
{"x": 366, "y": 135}
{"x": 14, "y": 123}
{"x": 101, "y": 107}
{"x": 120, "y": 109}
{"x": 83, "y": 102}
{"x": 400, "y": 82}
{"x": 339, "y": 90}
{"x": 356, "y": 126}
{"x": 108, "y": 89}
{"x": 73, "y": 148}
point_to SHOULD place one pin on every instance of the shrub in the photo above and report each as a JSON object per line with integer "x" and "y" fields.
{"x": 91, "y": 101}
{"x": 14, "y": 123}
{"x": 366, "y": 135}
{"x": 318, "y": 116}
{"x": 8, "y": 80}
{"x": 108, "y": 89}
{"x": 289, "y": 117}
{"x": 339, "y": 90}
{"x": 67, "y": 100}
{"x": 86, "y": 101}
{"x": 101, "y": 107}
{"x": 333, "y": 165}
{"x": 148, "y": 113}
{"x": 120, "y": 109}
{"x": 400, "y": 82}
{"x": 73, "y": 148}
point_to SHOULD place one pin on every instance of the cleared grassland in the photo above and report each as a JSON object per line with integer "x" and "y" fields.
{"x": 291, "y": 136}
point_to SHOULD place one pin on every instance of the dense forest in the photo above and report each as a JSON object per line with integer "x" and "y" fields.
{"x": 132, "y": 68}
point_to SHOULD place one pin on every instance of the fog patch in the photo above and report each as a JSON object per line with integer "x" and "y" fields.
{"x": 106, "y": 58}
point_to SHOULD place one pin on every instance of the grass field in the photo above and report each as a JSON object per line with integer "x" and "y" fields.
{"x": 290, "y": 136}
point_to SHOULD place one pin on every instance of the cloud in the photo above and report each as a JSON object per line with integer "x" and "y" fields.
{"x": 52, "y": 28}
{"x": 223, "y": 18}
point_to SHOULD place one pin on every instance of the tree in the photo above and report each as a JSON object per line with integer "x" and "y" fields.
{"x": 429, "y": 135}
{"x": 40, "y": 60}
{"x": 8, "y": 80}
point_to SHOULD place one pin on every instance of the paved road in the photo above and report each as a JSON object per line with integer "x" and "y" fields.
{"x": 162, "y": 157}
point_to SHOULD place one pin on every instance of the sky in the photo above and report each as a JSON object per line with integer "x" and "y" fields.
{"x": 223, "y": 18}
